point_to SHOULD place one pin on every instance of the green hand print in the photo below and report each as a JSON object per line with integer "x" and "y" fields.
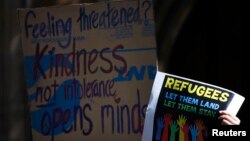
{"x": 174, "y": 128}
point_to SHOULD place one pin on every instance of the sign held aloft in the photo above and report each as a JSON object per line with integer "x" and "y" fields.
{"x": 89, "y": 69}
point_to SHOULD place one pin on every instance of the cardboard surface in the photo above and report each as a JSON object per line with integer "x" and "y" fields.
{"x": 89, "y": 69}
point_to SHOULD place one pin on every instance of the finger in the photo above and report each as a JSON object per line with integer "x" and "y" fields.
{"x": 226, "y": 122}
{"x": 229, "y": 115}
{"x": 229, "y": 119}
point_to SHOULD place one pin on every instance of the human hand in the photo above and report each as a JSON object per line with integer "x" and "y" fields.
{"x": 228, "y": 119}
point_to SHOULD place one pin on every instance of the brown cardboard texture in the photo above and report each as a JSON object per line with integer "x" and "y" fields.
{"x": 89, "y": 69}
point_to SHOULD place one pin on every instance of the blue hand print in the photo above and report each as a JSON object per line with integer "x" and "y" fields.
{"x": 45, "y": 117}
{"x": 160, "y": 125}
{"x": 194, "y": 132}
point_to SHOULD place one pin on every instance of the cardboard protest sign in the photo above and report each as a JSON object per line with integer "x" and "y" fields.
{"x": 89, "y": 69}
{"x": 186, "y": 109}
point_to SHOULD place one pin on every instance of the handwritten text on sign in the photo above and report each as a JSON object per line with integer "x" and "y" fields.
{"x": 89, "y": 69}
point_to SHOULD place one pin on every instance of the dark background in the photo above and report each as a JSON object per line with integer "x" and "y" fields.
{"x": 198, "y": 39}
{"x": 205, "y": 41}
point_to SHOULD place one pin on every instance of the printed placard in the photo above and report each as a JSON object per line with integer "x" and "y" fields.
{"x": 186, "y": 109}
